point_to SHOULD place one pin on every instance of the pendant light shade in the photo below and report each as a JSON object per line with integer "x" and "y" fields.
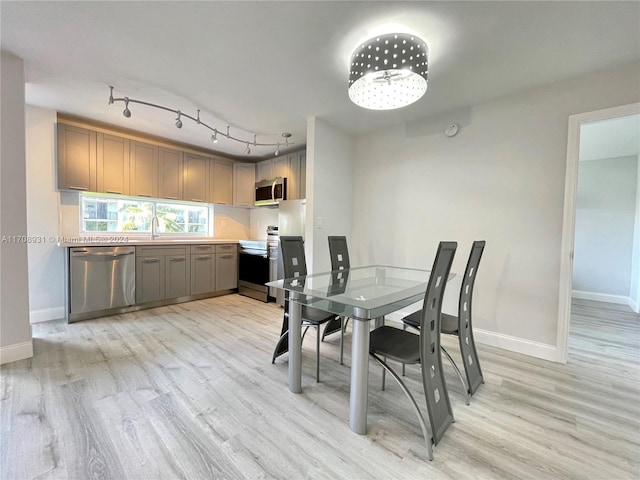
{"x": 389, "y": 71}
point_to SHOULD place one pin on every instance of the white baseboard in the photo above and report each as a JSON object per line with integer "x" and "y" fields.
{"x": 516, "y": 344}
{"x": 18, "y": 351}
{"x": 600, "y": 297}
{"x": 46, "y": 314}
{"x": 507, "y": 342}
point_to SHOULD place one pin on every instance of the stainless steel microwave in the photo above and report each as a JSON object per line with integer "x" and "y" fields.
{"x": 270, "y": 192}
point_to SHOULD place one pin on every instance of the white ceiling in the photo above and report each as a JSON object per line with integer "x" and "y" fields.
{"x": 265, "y": 67}
{"x": 613, "y": 138}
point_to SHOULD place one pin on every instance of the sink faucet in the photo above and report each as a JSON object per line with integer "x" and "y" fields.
{"x": 154, "y": 227}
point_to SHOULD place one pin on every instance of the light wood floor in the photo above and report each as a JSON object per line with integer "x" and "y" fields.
{"x": 189, "y": 392}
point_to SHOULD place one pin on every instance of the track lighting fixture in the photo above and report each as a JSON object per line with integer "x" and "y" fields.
{"x": 126, "y": 112}
{"x": 214, "y": 136}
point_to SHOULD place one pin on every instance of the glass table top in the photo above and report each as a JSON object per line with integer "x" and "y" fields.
{"x": 360, "y": 292}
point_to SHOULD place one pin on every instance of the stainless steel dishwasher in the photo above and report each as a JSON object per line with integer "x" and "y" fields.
{"x": 101, "y": 278}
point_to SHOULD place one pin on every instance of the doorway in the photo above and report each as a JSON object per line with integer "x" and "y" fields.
{"x": 576, "y": 124}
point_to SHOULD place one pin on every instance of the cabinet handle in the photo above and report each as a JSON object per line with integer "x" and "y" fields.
{"x": 172, "y": 198}
{"x": 196, "y": 200}
{"x": 222, "y": 203}
{"x": 202, "y": 247}
{"x": 150, "y": 260}
{"x": 226, "y": 256}
{"x": 203, "y": 258}
{"x": 77, "y": 188}
{"x": 143, "y": 195}
{"x": 178, "y": 259}
{"x": 113, "y": 191}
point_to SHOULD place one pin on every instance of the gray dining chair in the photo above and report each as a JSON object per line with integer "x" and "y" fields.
{"x": 408, "y": 348}
{"x": 339, "y": 254}
{"x": 295, "y": 265}
{"x": 460, "y": 326}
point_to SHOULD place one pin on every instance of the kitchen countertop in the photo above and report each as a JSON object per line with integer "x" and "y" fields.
{"x": 124, "y": 241}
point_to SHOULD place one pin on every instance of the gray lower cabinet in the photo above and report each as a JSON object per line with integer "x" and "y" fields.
{"x": 177, "y": 276}
{"x": 165, "y": 272}
{"x": 226, "y": 267}
{"x": 150, "y": 285}
{"x": 203, "y": 273}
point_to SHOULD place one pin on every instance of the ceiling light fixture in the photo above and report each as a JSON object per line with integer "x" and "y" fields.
{"x": 214, "y": 137}
{"x": 126, "y": 112}
{"x": 389, "y": 71}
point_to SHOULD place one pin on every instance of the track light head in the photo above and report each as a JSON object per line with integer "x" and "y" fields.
{"x": 178, "y": 121}
{"x": 214, "y": 136}
{"x": 126, "y": 112}
{"x": 278, "y": 150}
{"x": 248, "y": 151}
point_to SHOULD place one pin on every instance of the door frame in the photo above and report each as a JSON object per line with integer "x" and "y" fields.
{"x": 569, "y": 216}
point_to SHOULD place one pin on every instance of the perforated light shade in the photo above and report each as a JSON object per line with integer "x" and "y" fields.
{"x": 389, "y": 71}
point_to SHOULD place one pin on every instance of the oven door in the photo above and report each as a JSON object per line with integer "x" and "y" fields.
{"x": 253, "y": 266}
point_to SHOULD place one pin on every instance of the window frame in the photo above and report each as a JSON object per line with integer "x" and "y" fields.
{"x": 154, "y": 205}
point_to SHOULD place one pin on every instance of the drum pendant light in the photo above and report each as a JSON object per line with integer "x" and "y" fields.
{"x": 388, "y": 71}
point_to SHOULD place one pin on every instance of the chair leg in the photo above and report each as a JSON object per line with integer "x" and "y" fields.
{"x": 304, "y": 333}
{"x": 341, "y": 340}
{"x": 383, "y": 377}
{"x": 317, "y": 353}
{"x": 423, "y": 425}
{"x": 460, "y": 377}
{"x": 283, "y": 337}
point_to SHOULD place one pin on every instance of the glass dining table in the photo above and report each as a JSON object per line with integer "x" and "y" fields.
{"x": 362, "y": 294}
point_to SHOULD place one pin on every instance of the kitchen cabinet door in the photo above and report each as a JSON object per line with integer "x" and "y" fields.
{"x": 221, "y": 183}
{"x": 203, "y": 273}
{"x": 264, "y": 170}
{"x": 112, "y": 164}
{"x": 280, "y": 167}
{"x": 150, "y": 279}
{"x": 195, "y": 176}
{"x": 143, "y": 169}
{"x": 170, "y": 163}
{"x": 76, "y": 158}
{"x": 226, "y": 269}
{"x": 243, "y": 184}
{"x": 177, "y": 276}
{"x": 293, "y": 181}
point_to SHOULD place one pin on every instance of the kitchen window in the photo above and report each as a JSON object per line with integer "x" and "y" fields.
{"x": 130, "y": 215}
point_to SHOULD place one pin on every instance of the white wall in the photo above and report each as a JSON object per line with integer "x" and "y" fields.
{"x": 46, "y": 260}
{"x": 330, "y": 154}
{"x": 604, "y": 228}
{"x": 500, "y": 179}
{"x": 634, "y": 294}
{"x": 15, "y": 331}
{"x": 260, "y": 219}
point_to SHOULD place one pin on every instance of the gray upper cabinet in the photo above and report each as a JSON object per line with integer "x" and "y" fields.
{"x": 170, "y": 173}
{"x": 112, "y": 164}
{"x": 294, "y": 179}
{"x": 244, "y": 175}
{"x": 280, "y": 167}
{"x": 143, "y": 168}
{"x": 195, "y": 175}
{"x": 221, "y": 182}
{"x": 76, "y": 158}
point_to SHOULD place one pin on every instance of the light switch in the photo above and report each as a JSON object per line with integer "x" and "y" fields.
{"x": 320, "y": 223}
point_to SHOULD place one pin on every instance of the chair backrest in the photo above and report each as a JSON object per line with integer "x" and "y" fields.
{"x": 435, "y": 388}
{"x": 339, "y": 253}
{"x": 465, "y": 332}
{"x": 292, "y": 254}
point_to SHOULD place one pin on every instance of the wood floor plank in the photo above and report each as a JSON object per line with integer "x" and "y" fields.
{"x": 188, "y": 392}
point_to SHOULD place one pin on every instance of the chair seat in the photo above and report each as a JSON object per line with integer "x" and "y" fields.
{"x": 314, "y": 316}
{"x": 448, "y": 323}
{"x": 399, "y": 345}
